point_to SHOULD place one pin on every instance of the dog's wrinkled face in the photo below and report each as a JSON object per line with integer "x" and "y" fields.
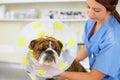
{"x": 46, "y": 50}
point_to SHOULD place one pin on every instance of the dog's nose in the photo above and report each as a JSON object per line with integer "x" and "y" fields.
{"x": 49, "y": 58}
{"x": 49, "y": 52}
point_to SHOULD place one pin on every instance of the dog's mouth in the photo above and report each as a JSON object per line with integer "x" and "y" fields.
{"x": 48, "y": 57}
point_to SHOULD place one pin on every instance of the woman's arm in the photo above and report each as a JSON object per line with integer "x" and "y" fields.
{"x": 82, "y": 53}
{"x": 93, "y": 75}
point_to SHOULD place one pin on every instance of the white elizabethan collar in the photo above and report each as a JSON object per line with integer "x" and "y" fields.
{"x": 57, "y": 30}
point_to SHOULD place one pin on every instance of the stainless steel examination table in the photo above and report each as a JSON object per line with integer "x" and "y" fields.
{"x": 10, "y": 71}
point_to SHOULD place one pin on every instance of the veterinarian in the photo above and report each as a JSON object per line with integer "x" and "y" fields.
{"x": 102, "y": 42}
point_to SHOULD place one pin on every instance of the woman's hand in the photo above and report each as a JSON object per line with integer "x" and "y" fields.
{"x": 92, "y": 75}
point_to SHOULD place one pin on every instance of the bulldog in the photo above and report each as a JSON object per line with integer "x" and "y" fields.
{"x": 47, "y": 51}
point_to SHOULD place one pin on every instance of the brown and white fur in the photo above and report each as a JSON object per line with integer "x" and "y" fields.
{"x": 47, "y": 50}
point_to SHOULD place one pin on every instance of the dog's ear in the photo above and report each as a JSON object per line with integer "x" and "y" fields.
{"x": 60, "y": 43}
{"x": 32, "y": 44}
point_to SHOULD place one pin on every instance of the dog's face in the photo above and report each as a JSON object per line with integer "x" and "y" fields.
{"x": 46, "y": 50}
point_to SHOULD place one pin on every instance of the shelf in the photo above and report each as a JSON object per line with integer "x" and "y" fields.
{"x": 30, "y": 20}
{"x": 15, "y": 15}
{"x": 37, "y": 1}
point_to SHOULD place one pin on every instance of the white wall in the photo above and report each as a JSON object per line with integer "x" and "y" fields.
{"x": 8, "y": 33}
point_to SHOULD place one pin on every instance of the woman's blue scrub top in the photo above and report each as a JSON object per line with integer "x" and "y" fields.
{"x": 104, "y": 48}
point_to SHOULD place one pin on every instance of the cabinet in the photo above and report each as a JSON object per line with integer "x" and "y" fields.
{"x": 32, "y": 11}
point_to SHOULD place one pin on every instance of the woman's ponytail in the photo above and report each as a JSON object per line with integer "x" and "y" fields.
{"x": 116, "y": 15}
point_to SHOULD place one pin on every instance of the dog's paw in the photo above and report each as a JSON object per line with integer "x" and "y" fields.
{"x": 50, "y": 79}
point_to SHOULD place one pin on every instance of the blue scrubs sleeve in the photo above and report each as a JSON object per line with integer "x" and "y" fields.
{"x": 108, "y": 61}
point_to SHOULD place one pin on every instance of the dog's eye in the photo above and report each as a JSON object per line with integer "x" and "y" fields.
{"x": 43, "y": 48}
{"x": 40, "y": 49}
{"x": 53, "y": 45}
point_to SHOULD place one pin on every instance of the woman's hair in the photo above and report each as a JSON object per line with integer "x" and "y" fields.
{"x": 110, "y": 5}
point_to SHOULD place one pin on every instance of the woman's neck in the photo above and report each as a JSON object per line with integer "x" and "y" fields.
{"x": 99, "y": 24}
{"x": 102, "y": 21}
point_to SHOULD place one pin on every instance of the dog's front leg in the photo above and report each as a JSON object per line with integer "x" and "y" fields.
{"x": 32, "y": 76}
